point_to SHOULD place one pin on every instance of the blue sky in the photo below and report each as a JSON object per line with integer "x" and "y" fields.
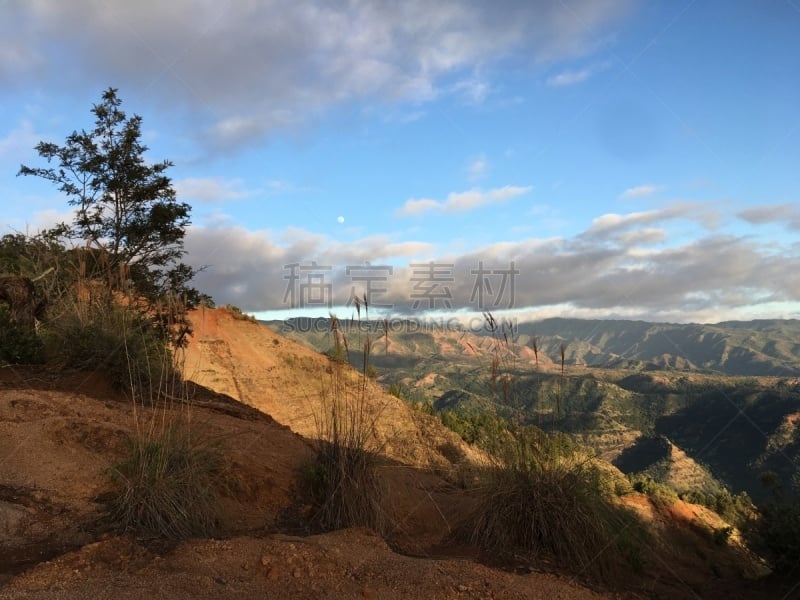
{"x": 631, "y": 159}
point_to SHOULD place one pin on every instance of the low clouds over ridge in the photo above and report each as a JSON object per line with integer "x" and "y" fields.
{"x": 639, "y": 275}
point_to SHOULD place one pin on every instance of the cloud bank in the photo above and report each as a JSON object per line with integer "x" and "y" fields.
{"x": 638, "y": 272}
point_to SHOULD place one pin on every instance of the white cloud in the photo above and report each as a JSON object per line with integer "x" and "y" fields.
{"x": 612, "y": 224}
{"x": 41, "y": 220}
{"x": 210, "y": 190}
{"x": 19, "y": 142}
{"x": 708, "y": 279}
{"x": 473, "y": 90}
{"x": 648, "y": 235}
{"x": 640, "y": 191}
{"x": 566, "y": 78}
{"x": 416, "y": 206}
{"x": 570, "y": 77}
{"x": 616, "y": 221}
{"x": 246, "y": 69}
{"x": 786, "y": 214}
{"x": 462, "y": 201}
{"x": 477, "y": 168}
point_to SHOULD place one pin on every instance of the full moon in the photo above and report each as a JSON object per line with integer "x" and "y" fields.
{"x": 340, "y": 219}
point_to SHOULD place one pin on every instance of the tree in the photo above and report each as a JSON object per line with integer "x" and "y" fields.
{"x": 126, "y": 208}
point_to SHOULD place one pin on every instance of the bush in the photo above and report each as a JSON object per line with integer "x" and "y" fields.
{"x": 736, "y": 509}
{"x": 658, "y": 492}
{"x": 345, "y": 487}
{"x": 533, "y": 502}
{"x": 721, "y": 535}
{"x": 481, "y": 429}
{"x": 397, "y": 391}
{"x": 18, "y": 345}
{"x": 167, "y": 486}
{"x": 778, "y": 534}
{"x": 237, "y": 314}
{"x": 119, "y": 340}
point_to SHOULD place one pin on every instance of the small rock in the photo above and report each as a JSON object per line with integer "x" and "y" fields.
{"x": 265, "y": 560}
{"x": 272, "y": 575}
{"x": 296, "y": 572}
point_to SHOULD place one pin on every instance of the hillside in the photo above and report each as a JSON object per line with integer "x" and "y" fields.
{"x": 289, "y": 381}
{"x": 61, "y": 431}
{"x": 624, "y": 383}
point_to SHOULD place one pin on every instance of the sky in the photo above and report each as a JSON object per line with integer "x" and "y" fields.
{"x": 582, "y": 158}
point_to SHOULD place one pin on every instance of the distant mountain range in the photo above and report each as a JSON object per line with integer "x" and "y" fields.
{"x": 695, "y": 405}
{"x": 751, "y": 348}
{"x": 760, "y": 347}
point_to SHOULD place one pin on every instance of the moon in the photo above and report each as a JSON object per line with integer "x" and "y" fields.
{"x": 340, "y": 219}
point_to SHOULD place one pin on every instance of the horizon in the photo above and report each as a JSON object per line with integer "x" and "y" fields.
{"x": 614, "y": 160}
{"x": 275, "y": 317}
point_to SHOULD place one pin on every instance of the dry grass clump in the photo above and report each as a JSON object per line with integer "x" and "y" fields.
{"x": 538, "y": 500}
{"x": 239, "y": 315}
{"x": 344, "y": 480}
{"x": 170, "y": 482}
{"x": 167, "y": 486}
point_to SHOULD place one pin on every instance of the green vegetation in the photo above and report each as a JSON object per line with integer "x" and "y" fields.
{"x": 658, "y": 492}
{"x": 127, "y": 218}
{"x": 776, "y": 534}
{"x": 115, "y": 339}
{"x": 237, "y": 314}
{"x": 481, "y": 429}
{"x": 18, "y": 345}
{"x": 116, "y": 302}
{"x": 736, "y": 509}
{"x": 542, "y": 493}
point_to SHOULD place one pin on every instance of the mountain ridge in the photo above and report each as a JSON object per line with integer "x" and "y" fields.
{"x": 760, "y": 347}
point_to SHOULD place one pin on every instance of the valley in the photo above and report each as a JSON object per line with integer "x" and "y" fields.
{"x": 697, "y": 407}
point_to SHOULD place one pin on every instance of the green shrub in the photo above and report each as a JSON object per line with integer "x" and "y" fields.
{"x": 721, "y": 535}
{"x": 168, "y": 485}
{"x": 118, "y": 340}
{"x": 736, "y": 509}
{"x": 778, "y": 533}
{"x": 658, "y": 492}
{"x": 345, "y": 487}
{"x": 481, "y": 429}
{"x": 239, "y": 315}
{"x": 397, "y": 391}
{"x": 18, "y": 345}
